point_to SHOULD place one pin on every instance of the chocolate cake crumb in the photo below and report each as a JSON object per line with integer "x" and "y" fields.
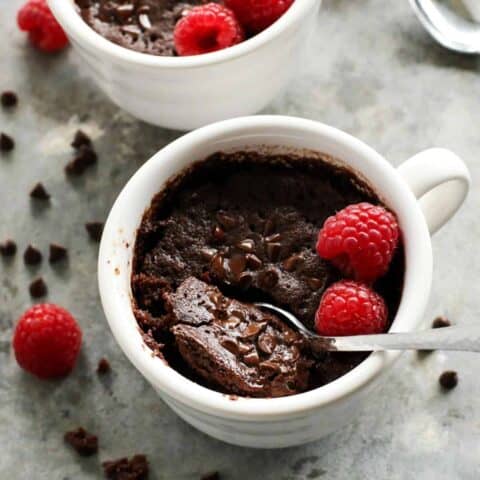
{"x": 441, "y": 322}
{"x": 57, "y": 253}
{"x": 83, "y": 442}
{"x": 94, "y": 230}
{"x": 103, "y": 366}
{"x": 85, "y": 157}
{"x": 39, "y": 192}
{"x": 81, "y": 139}
{"x": 448, "y": 380}
{"x": 7, "y": 143}
{"x": 32, "y": 256}
{"x": 124, "y": 469}
{"x": 9, "y": 99}
{"x": 8, "y": 248}
{"x": 38, "y": 288}
{"x": 211, "y": 476}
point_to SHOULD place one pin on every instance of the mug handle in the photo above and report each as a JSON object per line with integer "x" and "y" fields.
{"x": 440, "y": 180}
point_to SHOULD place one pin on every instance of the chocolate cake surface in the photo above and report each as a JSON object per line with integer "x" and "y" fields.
{"x": 143, "y": 25}
{"x": 247, "y": 223}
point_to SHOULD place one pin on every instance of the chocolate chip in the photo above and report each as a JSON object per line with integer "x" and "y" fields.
{"x": 226, "y": 220}
{"x": 85, "y": 158}
{"x": 245, "y": 280}
{"x": 124, "y": 469}
{"x": 253, "y": 261}
{"x": 276, "y": 237}
{"x": 441, "y": 322}
{"x": 253, "y": 329}
{"x": 448, "y": 380}
{"x": 291, "y": 263}
{"x": 38, "y": 192}
{"x": 237, "y": 265}
{"x": 57, "y": 253}
{"x": 81, "y": 139}
{"x": 269, "y": 227}
{"x": 266, "y": 343}
{"x": 315, "y": 283}
{"x": 217, "y": 265}
{"x": 211, "y": 476}
{"x": 83, "y": 442}
{"x": 232, "y": 322}
{"x": 8, "y": 248}
{"x": 7, "y": 143}
{"x": 9, "y": 99}
{"x": 94, "y": 230}
{"x": 38, "y": 288}
{"x": 273, "y": 251}
{"x": 251, "y": 359}
{"x": 244, "y": 348}
{"x": 269, "y": 367}
{"x": 218, "y": 234}
{"x": 103, "y": 366}
{"x": 246, "y": 245}
{"x": 123, "y": 12}
{"x": 268, "y": 279}
{"x": 32, "y": 256}
{"x": 229, "y": 344}
{"x": 208, "y": 253}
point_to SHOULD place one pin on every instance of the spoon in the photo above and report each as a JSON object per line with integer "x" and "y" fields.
{"x": 450, "y": 30}
{"x": 465, "y": 338}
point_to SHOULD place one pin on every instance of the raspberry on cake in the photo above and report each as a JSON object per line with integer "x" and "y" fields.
{"x": 360, "y": 240}
{"x": 43, "y": 29}
{"x": 47, "y": 341}
{"x": 207, "y": 28}
{"x": 257, "y": 15}
{"x": 350, "y": 308}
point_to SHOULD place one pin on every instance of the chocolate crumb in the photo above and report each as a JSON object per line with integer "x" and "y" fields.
{"x": 32, "y": 256}
{"x": 7, "y": 143}
{"x": 57, "y": 253}
{"x": 80, "y": 139}
{"x": 8, "y": 248}
{"x": 85, "y": 158}
{"x": 103, "y": 366}
{"x": 441, "y": 322}
{"x": 124, "y": 469}
{"x": 38, "y": 288}
{"x": 448, "y": 380}
{"x": 83, "y": 442}
{"x": 9, "y": 99}
{"x": 211, "y": 476}
{"x": 94, "y": 230}
{"x": 39, "y": 193}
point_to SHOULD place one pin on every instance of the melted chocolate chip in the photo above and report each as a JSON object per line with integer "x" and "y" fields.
{"x": 251, "y": 359}
{"x": 124, "y": 469}
{"x": 218, "y": 234}
{"x": 81, "y": 139}
{"x": 291, "y": 263}
{"x": 7, "y": 144}
{"x": 9, "y": 99}
{"x": 32, "y": 256}
{"x": 57, "y": 253}
{"x": 273, "y": 251}
{"x": 8, "y": 248}
{"x": 94, "y": 230}
{"x": 448, "y": 380}
{"x": 83, "y": 442}
{"x": 268, "y": 278}
{"x": 38, "y": 288}
{"x": 315, "y": 283}
{"x": 237, "y": 265}
{"x": 39, "y": 192}
{"x": 230, "y": 344}
{"x": 267, "y": 343}
{"x": 246, "y": 245}
{"x": 253, "y": 261}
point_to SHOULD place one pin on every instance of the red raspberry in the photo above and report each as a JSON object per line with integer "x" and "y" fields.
{"x": 257, "y": 15}
{"x": 205, "y": 29}
{"x": 43, "y": 30}
{"x": 46, "y": 341}
{"x": 350, "y": 308}
{"x": 360, "y": 240}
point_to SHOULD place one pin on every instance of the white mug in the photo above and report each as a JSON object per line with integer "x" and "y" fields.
{"x": 424, "y": 193}
{"x": 188, "y": 92}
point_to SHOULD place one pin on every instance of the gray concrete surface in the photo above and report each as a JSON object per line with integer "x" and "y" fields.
{"x": 370, "y": 70}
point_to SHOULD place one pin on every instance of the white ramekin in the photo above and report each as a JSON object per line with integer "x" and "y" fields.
{"x": 188, "y": 92}
{"x": 438, "y": 176}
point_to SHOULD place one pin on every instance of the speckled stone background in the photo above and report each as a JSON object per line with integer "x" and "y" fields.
{"x": 370, "y": 70}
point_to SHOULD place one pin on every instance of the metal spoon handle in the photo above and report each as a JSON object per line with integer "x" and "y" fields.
{"x": 461, "y": 338}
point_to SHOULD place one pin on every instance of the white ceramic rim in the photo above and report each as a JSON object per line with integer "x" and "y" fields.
{"x": 65, "y": 12}
{"x": 418, "y": 275}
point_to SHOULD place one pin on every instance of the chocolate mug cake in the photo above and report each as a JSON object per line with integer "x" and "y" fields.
{"x": 231, "y": 230}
